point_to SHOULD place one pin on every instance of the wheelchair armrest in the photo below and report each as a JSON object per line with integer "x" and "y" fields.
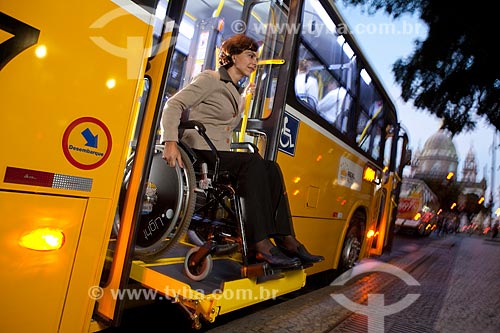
{"x": 192, "y": 124}
{"x": 250, "y": 147}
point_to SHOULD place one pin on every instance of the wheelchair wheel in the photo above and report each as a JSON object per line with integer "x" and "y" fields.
{"x": 167, "y": 207}
{"x": 200, "y": 271}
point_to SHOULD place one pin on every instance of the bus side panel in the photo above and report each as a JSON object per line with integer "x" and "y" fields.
{"x": 69, "y": 111}
{"x": 34, "y": 282}
{"x": 312, "y": 178}
{"x": 321, "y": 236}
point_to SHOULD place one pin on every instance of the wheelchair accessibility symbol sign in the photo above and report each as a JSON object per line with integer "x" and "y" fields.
{"x": 289, "y": 134}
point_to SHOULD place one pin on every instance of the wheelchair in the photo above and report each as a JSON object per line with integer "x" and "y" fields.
{"x": 198, "y": 205}
{"x": 217, "y": 225}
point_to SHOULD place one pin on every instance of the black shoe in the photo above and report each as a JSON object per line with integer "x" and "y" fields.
{"x": 277, "y": 259}
{"x": 304, "y": 256}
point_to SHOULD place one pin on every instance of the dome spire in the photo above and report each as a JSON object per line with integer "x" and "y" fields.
{"x": 470, "y": 167}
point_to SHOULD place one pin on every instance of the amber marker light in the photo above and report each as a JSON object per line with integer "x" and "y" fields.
{"x": 43, "y": 239}
{"x": 41, "y": 51}
{"x": 111, "y": 83}
{"x": 370, "y": 233}
{"x": 417, "y": 216}
{"x": 369, "y": 174}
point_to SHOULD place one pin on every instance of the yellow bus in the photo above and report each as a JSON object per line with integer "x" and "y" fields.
{"x": 83, "y": 86}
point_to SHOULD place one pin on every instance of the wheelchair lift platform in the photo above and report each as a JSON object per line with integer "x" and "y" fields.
{"x": 222, "y": 291}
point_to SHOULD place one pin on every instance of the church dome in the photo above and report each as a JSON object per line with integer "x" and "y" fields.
{"x": 440, "y": 145}
{"x": 438, "y": 157}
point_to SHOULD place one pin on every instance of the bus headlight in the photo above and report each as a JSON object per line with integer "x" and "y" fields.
{"x": 43, "y": 239}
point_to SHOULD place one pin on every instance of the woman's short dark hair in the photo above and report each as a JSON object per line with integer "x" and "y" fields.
{"x": 234, "y": 45}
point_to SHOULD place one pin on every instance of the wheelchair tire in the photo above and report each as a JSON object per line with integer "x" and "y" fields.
{"x": 200, "y": 271}
{"x": 165, "y": 222}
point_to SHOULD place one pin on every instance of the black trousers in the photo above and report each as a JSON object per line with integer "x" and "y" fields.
{"x": 260, "y": 184}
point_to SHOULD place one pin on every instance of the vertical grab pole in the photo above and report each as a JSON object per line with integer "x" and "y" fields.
{"x": 248, "y": 97}
{"x": 248, "y": 101}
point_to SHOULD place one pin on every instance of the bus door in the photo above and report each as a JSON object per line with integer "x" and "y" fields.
{"x": 136, "y": 164}
{"x": 396, "y": 158}
{"x": 267, "y": 22}
{"x": 382, "y": 206}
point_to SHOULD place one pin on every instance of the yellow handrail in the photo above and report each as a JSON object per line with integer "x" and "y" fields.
{"x": 369, "y": 123}
{"x": 219, "y": 8}
{"x": 249, "y": 96}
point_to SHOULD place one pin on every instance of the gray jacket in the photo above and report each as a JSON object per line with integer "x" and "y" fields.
{"x": 212, "y": 99}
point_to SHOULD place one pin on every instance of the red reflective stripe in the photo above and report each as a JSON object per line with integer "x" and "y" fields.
{"x": 28, "y": 177}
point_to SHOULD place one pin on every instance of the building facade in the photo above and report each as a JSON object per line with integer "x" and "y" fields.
{"x": 438, "y": 158}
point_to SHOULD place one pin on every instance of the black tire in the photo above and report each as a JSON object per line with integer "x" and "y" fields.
{"x": 352, "y": 243}
{"x": 163, "y": 224}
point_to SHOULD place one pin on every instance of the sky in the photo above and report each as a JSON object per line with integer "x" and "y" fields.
{"x": 383, "y": 41}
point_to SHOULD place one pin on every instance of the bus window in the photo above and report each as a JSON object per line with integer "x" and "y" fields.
{"x": 335, "y": 102}
{"x": 388, "y": 159}
{"x": 265, "y": 24}
{"x": 325, "y": 57}
{"x": 159, "y": 24}
{"x": 175, "y": 75}
{"x": 370, "y": 126}
{"x": 308, "y": 82}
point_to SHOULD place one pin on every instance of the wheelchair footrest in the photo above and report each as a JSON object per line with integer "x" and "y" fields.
{"x": 265, "y": 272}
{"x": 255, "y": 270}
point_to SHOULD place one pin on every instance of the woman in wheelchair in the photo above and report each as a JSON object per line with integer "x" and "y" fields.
{"x": 214, "y": 99}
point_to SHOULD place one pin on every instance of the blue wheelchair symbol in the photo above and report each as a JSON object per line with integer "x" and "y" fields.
{"x": 289, "y": 134}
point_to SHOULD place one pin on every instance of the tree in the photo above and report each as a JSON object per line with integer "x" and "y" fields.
{"x": 455, "y": 72}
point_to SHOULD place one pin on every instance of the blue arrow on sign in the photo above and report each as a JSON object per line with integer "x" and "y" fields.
{"x": 91, "y": 138}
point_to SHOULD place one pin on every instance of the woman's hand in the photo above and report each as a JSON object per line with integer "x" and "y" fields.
{"x": 250, "y": 89}
{"x": 171, "y": 154}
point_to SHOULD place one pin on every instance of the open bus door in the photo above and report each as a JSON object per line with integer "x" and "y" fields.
{"x": 115, "y": 277}
{"x": 388, "y": 192}
{"x": 402, "y": 159}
